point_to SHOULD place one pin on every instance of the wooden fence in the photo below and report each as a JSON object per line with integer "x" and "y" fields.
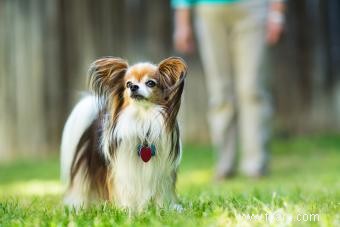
{"x": 47, "y": 45}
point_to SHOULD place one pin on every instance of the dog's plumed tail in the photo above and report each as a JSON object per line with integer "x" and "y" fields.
{"x": 81, "y": 118}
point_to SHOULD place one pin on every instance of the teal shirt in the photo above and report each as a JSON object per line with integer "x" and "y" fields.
{"x": 189, "y": 3}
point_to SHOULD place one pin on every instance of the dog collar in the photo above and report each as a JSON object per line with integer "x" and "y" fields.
{"x": 145, "y": 152}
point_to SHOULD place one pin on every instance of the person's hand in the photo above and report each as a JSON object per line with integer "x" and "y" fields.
{"x": 274, "y": 32}
{"x": 184, "y": 40}
{"x": 183, "y": 36}
{"x": 275, "y": 23}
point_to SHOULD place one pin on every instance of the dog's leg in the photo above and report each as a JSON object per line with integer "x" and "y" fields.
{"x": 169, "y": 199}
{"x": 175, "y": 205}
{"x": 77, "y": 195}
{"x": 166, "y": 196}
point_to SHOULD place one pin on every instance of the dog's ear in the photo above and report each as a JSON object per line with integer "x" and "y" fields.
{"x": 106, "y": 76}
{"x": 172, "y": 72}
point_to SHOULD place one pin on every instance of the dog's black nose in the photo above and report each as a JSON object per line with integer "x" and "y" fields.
{"x": 134, "y": 87}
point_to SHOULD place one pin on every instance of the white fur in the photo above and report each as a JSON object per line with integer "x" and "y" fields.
{"x": 79, "y": 120}
{"x": 135, "y": 183}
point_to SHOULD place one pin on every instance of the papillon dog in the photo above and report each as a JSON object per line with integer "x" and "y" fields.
{"x": 122, "y": 142}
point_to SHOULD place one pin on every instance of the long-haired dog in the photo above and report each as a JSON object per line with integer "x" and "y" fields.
{"x": 122, "y": 143}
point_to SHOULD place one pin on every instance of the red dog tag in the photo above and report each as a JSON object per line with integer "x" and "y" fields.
{"x": 145, "y": 153}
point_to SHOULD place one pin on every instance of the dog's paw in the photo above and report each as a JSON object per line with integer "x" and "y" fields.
{"x": 177, "y": 207}
{"x": 73, "y": 202}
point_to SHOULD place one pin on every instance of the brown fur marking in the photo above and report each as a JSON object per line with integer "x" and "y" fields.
{"x": 139, "y": 72}
{"x": 88, "y": 156}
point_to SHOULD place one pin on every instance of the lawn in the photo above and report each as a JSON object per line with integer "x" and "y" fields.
{"x": 302, "y": 189}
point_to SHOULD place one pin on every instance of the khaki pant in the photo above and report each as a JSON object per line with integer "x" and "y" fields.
{"x": 231, "y": 40}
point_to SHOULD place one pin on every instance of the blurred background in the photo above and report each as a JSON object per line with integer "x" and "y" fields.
{"x": 46, "y": 47}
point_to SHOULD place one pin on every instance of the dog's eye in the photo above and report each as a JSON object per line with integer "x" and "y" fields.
{"x": 128, "y": 84}
{"x": 150, "y": 83}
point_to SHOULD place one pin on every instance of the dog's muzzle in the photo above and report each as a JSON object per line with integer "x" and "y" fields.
{"x": 137, "y": 96}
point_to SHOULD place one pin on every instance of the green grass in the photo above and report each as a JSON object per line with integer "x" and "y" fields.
{"x": 304, "y": 179}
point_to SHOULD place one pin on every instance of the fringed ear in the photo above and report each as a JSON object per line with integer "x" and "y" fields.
{"x": 106, "y": 77}
{"x": 172, "y": 73}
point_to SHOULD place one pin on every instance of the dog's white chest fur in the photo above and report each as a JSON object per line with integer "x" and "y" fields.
{"x": 136, "y": 182}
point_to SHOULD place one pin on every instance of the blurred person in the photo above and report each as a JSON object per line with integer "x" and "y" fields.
{"x": 232, "y": 39}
